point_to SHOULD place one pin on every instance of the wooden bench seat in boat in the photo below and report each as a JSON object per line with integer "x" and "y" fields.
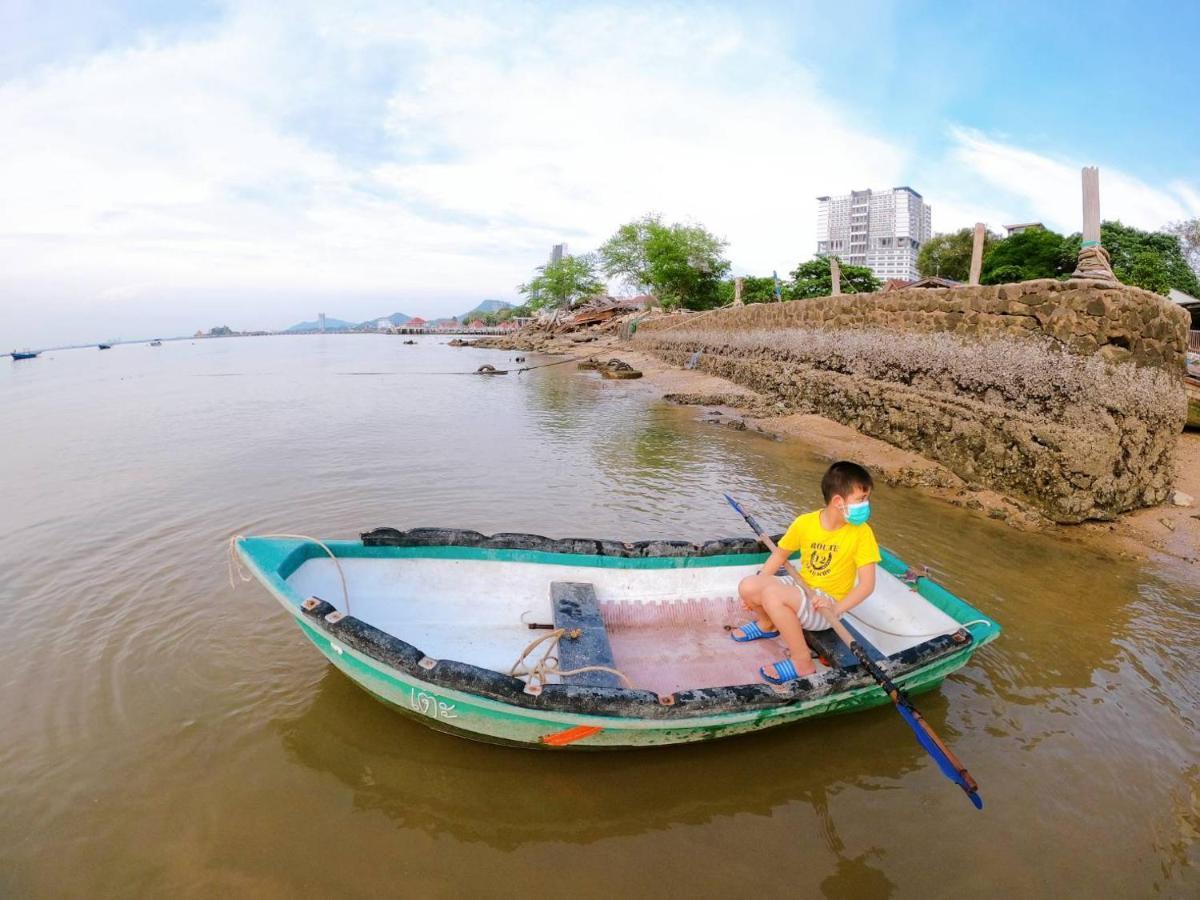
{"x": 575, "y": 606}
{"x": 827, "y": 645}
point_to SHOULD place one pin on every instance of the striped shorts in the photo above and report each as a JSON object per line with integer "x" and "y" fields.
{"x": 810, "y": 619}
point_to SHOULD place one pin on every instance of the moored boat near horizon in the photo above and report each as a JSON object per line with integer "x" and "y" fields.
{"x": 530, "y": 641}
{"x": 104, "y": 346}
{"x": 156, "y": 343}
{"x": 24, "y": 354}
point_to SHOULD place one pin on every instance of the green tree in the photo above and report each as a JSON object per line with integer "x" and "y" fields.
{"x": 682, "y": 265}
{"x": 949, "y": 255}
{"x": 755, "y": 289}
{"x": 1033, "y": 253}
{"x": 1153, "y": 260}
{"x": 562, "y": 283}
{"x": 813, "y": 279}
{"x": 1188, "y": 233}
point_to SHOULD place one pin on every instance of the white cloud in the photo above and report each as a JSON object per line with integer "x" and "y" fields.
{"x": 366, "y": 159}
{"x": 1047, "y": 189}
{"x": 149, "y": 177}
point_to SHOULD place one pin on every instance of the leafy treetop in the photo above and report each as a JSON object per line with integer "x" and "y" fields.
{"x": 813, "y": 279}
{"x": 1188, "y": 232}
{"x": 680, "y": 264}
{"x": 1033, "y": 253}
{"x": 949, "y": 255}
{"x": 562, "y": 283}
{"x": 1153, "y": 260}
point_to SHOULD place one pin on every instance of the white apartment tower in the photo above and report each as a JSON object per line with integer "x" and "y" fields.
{"x": 882, "y": 230}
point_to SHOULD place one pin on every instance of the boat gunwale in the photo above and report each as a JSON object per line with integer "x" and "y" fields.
{"x": 276, "y": 559}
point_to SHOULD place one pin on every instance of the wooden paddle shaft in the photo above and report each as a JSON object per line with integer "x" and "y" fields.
{"x": 829, "y": 615}
{"x": 848, "y": 639}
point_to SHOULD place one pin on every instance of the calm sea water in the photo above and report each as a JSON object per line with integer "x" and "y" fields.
{"x": 164, "y": 734}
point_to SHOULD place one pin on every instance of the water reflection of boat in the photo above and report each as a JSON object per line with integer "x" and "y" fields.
{"x": 24, "y": 354}
{"x": 647, "y": 614}
{"x": 506, "y": 799}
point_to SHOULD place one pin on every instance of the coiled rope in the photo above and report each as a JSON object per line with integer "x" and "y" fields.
{"x": 236, "y": 565}
{"x": 547, "y": 665}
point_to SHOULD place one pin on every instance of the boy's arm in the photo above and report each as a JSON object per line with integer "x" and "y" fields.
{"x": 859, "y": 593}
{"x": 775, "y": 561}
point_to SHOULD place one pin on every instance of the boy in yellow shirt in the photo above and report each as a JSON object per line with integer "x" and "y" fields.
{"x": 838, "y": 554}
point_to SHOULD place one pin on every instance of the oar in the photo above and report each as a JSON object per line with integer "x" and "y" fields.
{"x": 950, "y": 765}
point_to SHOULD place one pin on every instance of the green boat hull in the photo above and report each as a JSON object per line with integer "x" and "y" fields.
{"x": 489, "y": 721}
{"x": 483, "y": 718}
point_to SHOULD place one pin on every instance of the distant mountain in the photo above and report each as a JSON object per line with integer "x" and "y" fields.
{"x": 330, "y": 325}
{"x": 394, "y": 318}
{"x": 487, "y": 306}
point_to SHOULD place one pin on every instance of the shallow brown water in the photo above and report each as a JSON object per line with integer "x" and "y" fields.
{"x": 166, "y": 735}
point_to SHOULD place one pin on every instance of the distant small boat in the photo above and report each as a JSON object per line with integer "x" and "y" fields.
{"x": 105, "y": 346}
{"x": 653, "y": 614}
{"x": 24, "y": 354}
{"x": 156, "y": 343}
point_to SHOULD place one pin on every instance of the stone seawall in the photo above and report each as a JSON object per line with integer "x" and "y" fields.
{"x": 1065, "y": 395}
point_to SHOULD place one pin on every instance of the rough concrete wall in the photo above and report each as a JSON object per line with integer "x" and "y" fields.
{"x": 1063, "y": 394}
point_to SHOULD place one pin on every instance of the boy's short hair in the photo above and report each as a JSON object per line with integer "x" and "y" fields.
{"x": 842, "y": 478}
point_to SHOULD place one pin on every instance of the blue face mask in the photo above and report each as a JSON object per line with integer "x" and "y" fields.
{"x": 858, "y": 513}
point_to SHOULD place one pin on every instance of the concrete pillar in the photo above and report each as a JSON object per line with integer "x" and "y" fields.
{"x": 1091, "y": 206}
{"x": 835, "y": 276}
{"x": 737, "y": 291}
{"x": 1093, "y": 263}
{"x": 977, "y": 253}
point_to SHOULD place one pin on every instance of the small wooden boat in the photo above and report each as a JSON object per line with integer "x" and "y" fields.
{"x": 24, "y": 354}
{"x": 631, "y": 641}
{"x": 105, "y": 346}
{"x": 156, "y": 343}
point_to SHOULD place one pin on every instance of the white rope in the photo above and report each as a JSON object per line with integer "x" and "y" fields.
{"x": 234, "y": 563}
{"x": 907, "y": 634}
{"x": 547, "y": 664}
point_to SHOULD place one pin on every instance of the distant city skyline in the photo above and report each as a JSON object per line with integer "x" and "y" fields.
{"x": 173, "y": 166}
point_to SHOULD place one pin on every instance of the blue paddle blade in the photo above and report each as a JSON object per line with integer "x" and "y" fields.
{"x": 939, "y": 757}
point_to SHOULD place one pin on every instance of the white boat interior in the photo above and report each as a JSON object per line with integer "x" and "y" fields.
{"x": 667, "y": 627}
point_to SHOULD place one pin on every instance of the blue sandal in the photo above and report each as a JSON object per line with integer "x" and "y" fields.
{"x": 785, "y": 669}
{"x": 752, "y": 632}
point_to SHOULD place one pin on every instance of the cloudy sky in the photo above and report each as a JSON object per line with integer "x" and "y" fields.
{"x": 167, "y": 167}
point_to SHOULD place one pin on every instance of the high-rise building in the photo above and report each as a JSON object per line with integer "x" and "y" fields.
{"x": 882, "y": 230}
{"x": 321, "y": 322}
{"x": 557, "y": 252}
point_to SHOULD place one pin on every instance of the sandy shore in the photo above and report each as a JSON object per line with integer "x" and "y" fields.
{"x": 1168, "y": 530}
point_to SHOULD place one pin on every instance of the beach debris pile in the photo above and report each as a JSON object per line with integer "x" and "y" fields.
{"x": 595, "y": 316}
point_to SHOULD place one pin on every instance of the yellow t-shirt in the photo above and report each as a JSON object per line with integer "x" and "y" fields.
{"x": 829, "y": 560}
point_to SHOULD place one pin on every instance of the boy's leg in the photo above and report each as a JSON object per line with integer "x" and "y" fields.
{"x": 782, "y": 603}
{"x": 751, "y": 590}
{"x": 776, "y": 606}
